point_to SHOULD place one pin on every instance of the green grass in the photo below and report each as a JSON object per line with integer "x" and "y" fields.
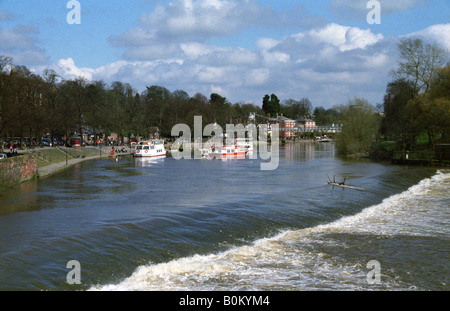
{"x": 52, "y": 156}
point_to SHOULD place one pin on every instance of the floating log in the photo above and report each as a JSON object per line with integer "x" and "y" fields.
{"x": 342, "y": 184}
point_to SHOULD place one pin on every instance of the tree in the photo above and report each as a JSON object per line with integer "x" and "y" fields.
{"x": 96, "y": 104}
{"x": 5, "y": 61}
{"x": 70, "y": 106}
{"x": 430, "y": 112}
{"x": 4, "y": 82}
{"x": 155, "y": 98}
{"x": 294, "y": 109}
{"x": 412, "y": 107}
{"x": 395, "y": 124}
{"x": 220, "y": 109}
{"x": 360, "y": 127}
{"x": 51, "y": 94}
{"x": 271, "y": 104}
{"x": 419, "y": 63}
{"x": 324, "y": 116}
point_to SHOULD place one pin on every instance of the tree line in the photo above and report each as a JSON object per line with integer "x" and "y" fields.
{"x": 34, "y": 106}
{"x": 415, "y": 110}
{"x": 415, "y": 114}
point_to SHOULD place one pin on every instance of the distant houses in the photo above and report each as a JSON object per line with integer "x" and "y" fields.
{"x": 288, "y": 127}
{"x": 305, "y": 123}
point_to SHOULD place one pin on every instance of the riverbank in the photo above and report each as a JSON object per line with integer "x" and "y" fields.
{"x": 17, "y": 170}
{"x": 49, "y": 161}
{"x": 52, "y": 161}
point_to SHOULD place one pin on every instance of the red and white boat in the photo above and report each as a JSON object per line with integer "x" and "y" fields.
{"x": 150, "y": 149}
{"x": 227, "y": 152}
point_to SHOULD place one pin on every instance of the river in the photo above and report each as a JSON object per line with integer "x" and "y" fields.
{"x": 227, "y": 225}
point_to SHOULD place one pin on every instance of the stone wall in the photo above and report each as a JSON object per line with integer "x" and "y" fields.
{"x": 16, "y": 170}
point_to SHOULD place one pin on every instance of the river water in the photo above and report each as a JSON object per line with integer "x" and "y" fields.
{"x": 209, "y": 225}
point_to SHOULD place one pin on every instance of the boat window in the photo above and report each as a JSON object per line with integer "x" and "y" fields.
{"x": 145, "y": 147}
{"x": 139, "y": 147}
{"x": 152, "y": 147}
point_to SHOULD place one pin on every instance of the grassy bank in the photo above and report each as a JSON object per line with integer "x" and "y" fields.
{"x": 49, "y": 161}
{"x": 53, "y": 160}
{"x": 46, "y": 157}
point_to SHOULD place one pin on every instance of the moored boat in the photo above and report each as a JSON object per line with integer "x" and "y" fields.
{"x": 324, "y": 140}
{"x": 227, "y": 152}
{"x": 245, "y": 143}
{"x": 150, "y": 149}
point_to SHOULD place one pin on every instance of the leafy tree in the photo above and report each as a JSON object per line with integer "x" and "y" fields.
{"x": 360, "y": 127}
{"x": 411, "y": 104}
{"x": 324, "y": 116}
{"x": 395, "y": 124}
{"x": 430, "y": 112}
{"x": 271, "y": 105}
{"x": 221, "y": 109}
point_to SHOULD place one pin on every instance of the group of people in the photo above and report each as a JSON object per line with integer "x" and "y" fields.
{"x": 12, "y": 151}
{"x": 123, "y": 150}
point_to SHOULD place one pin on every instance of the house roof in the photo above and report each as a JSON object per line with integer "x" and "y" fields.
{"x": 301, "y": 119}
{"x": 281, "y": 119}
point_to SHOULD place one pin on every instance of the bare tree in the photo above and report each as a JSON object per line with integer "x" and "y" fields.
{"x": 4, "y": 62}
{"x": 419, "y": 63}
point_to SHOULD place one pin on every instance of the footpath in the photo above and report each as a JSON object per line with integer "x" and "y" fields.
{"x": 56, "y": 167}
{"x": 47, "y": 170}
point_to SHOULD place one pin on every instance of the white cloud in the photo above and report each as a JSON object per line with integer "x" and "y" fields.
{"x": 183, "y": 26}
{"x": 67, "y": 69}
{"x": 343, "y": 37}
{"x": 194, "y": 50}
{"x": 329, "y": 65}
{"x": 20, "y": 42}
{"x": 437, "y": 33}
{"x": 187, "y": 20}
{"x": 266, "y": 44}
{"x": 258, "y": 77}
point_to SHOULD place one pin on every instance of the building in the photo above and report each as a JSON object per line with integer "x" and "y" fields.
{"x": 286, "y": 126}
{"x": 306, "y": 123}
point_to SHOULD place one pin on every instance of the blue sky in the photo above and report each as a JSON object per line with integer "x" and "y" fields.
{"x": 324, "y": 50}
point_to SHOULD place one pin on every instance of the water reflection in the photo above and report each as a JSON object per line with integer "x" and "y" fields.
{"x": 147, "y": 162}
{"x": 305, "y": 151}
{"x": 20, "y": 198}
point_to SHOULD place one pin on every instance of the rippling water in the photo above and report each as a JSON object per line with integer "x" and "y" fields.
{"x": 227, "y": 225}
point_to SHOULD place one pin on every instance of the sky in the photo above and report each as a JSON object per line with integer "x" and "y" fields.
{"x": 325, "y": 50}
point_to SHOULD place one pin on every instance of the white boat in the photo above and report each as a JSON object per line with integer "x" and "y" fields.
{"x": 150, "y": 149}
{"x": 227, "y": 152}
{"x": 324, "y": 140}
{"x": 205, "y": 152}
{"x": 245, "y": 143}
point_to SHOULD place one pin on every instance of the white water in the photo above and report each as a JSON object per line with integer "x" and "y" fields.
{"x": 310, "y": 259}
